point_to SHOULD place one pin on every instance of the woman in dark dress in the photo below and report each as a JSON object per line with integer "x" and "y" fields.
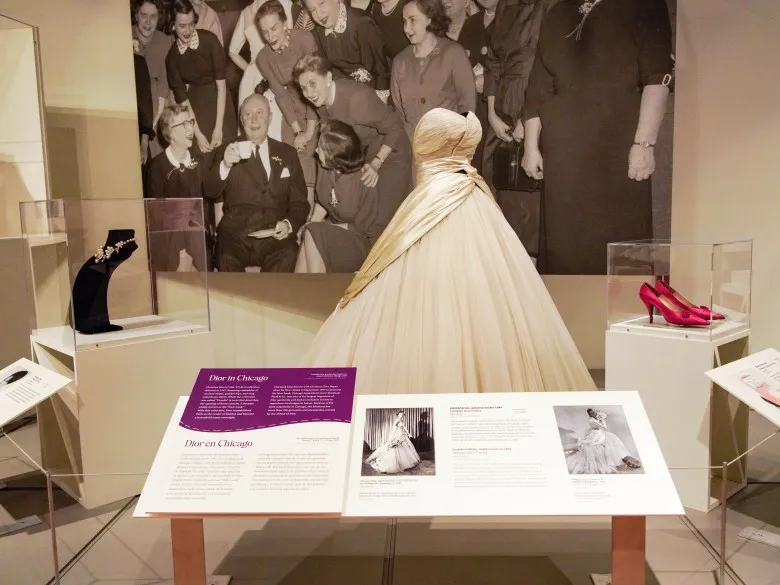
{"x": 339, "y": 235}
{"x": 508, "y": 63}
{"x": 595, "y": 102}
{"x": 352, "y": 42}
{"x": 176, "y": 173}
{"x": 381, "y": 131}
{"x": 475, "y": 38}
{"x": 196, "y": 76}
{"x": 388, "y": 16}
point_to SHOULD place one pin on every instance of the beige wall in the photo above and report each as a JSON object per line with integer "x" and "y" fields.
{"x": 89, "y": 95}
{"x": 22, "y": 176}
{"x": 727, "y": 159}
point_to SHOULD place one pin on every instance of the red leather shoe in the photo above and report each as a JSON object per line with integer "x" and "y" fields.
{"x": 670, "y": 312}
{"x": 704, "y": 312}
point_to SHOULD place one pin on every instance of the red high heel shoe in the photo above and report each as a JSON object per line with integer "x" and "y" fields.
{"x": 704, "y": 312}
{"x": 672, "y": 314}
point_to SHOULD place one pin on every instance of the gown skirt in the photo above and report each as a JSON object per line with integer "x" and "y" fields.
{"x": 395, "y": 456}
{"x": 462, "y": 309}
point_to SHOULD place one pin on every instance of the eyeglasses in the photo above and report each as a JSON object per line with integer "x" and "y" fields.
{"x": 188, "y": 123}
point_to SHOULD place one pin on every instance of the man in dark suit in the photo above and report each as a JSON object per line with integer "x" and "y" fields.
{"x": 262, "y": 185}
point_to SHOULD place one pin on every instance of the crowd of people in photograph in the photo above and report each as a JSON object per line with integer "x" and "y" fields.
{"x": 303, "y": 162}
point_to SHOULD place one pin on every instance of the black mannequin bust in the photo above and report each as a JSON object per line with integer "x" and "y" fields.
{"x": 90, "y": 289}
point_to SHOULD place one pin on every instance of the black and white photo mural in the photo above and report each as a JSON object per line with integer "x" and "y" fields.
{"x": 294, "y": 119}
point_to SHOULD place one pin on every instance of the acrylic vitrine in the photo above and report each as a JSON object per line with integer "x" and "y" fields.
{"x": 662, "y": 336}
{"x": 692, "y": 290}
{"x": 121, "y": 306}
{"x": 114, "y": 271}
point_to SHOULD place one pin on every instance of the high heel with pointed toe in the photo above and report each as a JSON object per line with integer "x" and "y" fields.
{"x": 701, "y": 311}
{"x": 671, "y": 313}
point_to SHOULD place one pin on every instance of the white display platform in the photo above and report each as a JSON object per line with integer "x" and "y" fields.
{"x": 136, "y": 329}
{"x": 697, "y": 426}
{"x": 730, "y": 328}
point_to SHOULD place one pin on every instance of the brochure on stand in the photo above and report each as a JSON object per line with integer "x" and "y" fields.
{"x": 506, "y": 454}
{"x": 754, "y": 380}
{"x": 24, "y": 385}
{"x": 255, "y": 441}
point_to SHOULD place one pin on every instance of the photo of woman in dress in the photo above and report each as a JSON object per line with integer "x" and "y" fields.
{"x": 596, "y": 98}
{"x": 177, "y": 173}
{"x": 388, "y": 150}
{"x": 589, "y": 447}
{"x": 284, "y": 46}
{"x": 196, "y": 75}
{"x": 153, "y": 45}
{"x": 434, "y": 71}
{"x": 389, "y": 448}
{"x": 247, "y": 31}
{"x": 338, "y": 236}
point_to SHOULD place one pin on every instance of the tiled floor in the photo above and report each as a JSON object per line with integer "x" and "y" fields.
{"x": 312, "y": 552}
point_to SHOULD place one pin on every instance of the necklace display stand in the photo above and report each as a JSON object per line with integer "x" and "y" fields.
{"x": 90, "y": 289}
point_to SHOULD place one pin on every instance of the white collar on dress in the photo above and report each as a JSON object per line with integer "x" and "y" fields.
{"x": 193, "y": 43}
{"x": 172, "y": 159}
{"x": 341, "y": 22}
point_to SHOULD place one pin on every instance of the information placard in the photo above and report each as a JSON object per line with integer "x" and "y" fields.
{"x": 507, "y": 454}
{"x": 255, "y": 441}
{"x": 25, "y": 384}
{"x": 754, "y": 380}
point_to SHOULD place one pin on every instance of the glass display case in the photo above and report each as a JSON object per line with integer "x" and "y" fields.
{"x": 671, "y": 288}
{"x": 108, "y": 272}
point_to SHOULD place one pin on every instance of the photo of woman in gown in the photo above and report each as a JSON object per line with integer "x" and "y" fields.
{"x": 599, "y": 452}
{"x": 448, "y": 300}
{"x": 196, "y": 76}
{"x": 397, "y": 453}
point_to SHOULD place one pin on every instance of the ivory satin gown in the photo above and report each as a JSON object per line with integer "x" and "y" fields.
{"x": 448, "y": 300}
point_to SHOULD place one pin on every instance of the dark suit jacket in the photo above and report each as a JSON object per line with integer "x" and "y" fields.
{"x": 253, "y": 201}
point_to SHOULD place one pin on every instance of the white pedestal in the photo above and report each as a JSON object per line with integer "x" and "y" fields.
{"x": 99, "y": 435}
{"x": 698, "y": 425}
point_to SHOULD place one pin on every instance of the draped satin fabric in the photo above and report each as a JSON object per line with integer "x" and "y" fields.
{"x": 445, "y": 185}
{"x": 448, "y": 300}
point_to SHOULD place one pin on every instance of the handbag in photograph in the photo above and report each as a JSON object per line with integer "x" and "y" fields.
{"x": 508, "y": 173}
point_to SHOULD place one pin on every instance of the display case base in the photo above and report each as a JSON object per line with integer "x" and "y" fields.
{"x": 697, "y": 424}
{"x": 99, "y": 436}
{"x": 134, "y": 329}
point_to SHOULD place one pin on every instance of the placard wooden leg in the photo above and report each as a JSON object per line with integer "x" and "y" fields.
{"x": 189, "y": 551}
{"x": 628, "y": 550}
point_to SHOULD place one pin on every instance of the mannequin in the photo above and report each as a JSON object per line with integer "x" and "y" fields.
{"x": 90, "y": 289}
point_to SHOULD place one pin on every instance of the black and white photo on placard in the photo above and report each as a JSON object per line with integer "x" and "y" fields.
{"x": 398, "y": 441}
{"x": 579, "y": 142}
{"x": 12, "y": 377}
{"x": 597, "y": 440}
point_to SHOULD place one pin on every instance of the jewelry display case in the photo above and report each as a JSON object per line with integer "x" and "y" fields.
{"x": 676, "y": 310}
{"x": 121, "y": 306}
{"x": 663, "y": 287}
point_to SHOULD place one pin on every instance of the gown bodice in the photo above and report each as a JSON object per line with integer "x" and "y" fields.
{"x": 442, "y": 139}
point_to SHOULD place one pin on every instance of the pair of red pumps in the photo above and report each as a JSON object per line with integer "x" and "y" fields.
{"x": 674, "y": 307}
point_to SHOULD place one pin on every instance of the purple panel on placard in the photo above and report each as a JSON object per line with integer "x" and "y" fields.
{"x": 229, "y": 400}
